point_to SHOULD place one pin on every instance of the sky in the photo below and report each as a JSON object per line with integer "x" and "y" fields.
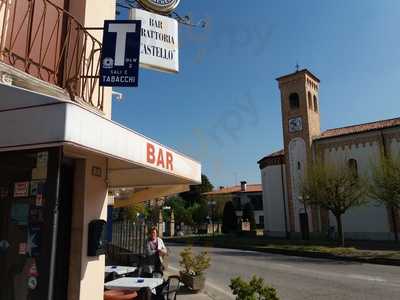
{"x": 223, "y": 108}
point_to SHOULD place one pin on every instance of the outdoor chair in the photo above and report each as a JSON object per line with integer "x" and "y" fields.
{"x": 168, "y": 290}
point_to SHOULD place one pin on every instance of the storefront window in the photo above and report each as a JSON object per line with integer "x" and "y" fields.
{"x": 27, "y": 192}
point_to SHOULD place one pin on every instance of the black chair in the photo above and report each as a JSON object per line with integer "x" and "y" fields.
{"x": 169, "y": 289}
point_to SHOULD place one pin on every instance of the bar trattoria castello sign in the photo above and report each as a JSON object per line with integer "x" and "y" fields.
{"x": 159, "y": 47}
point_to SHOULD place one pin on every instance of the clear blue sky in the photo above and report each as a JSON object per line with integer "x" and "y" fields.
{"x": 223, "y": 108}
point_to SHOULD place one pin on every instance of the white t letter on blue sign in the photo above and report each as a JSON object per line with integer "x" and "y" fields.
{"x": 121, "y": 30}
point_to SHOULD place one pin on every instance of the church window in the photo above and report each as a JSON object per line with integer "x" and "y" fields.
{"x": 352, "y": 163}
{"x": 294, "y": 101}
{"x": 309, "y": 100}
{"x": 315, "y": 104}
{"x": 298, "y": 165}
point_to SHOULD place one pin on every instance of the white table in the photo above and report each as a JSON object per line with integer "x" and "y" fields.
{"x": 120, "y": 270}
{"x": 131, "y": 283}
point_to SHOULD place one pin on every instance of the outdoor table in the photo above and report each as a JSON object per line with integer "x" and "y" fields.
{"x": 131, "y": 283}
{"x": 120, "y": 270}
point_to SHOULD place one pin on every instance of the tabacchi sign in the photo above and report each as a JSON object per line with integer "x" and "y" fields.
{"x": 160, "y": 6}
{"x": 120, "y": 53}
{"x": 159, "y": 48}
{"x": 159, "y": 157}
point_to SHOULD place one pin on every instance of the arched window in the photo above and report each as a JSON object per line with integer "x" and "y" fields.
{"x": 309, "y": 100}
{"x": 294, "y": 101}
{"x": 298, "y": 165}
{"x": 315, "y": 104}
{"x": 352, "y": 163}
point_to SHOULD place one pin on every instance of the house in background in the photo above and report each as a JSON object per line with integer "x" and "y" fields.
{"x": 355, "y": 146}
{"x": 240, "y": 195}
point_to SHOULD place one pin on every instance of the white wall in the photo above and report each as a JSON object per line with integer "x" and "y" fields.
{"x": 366, "y": 222}
{"x": 274, "y": 210}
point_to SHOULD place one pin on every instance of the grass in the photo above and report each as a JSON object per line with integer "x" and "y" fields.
{"x": 365, "y": 250}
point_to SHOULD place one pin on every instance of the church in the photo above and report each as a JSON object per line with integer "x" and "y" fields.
{"x": 282, "y": 171}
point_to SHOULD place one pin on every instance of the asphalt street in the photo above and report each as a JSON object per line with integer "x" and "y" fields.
{"x": 298, "y": 278}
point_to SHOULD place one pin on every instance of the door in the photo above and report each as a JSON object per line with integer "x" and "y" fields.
{"x": 27, "y": 192}
{"x": 305, "y": 232}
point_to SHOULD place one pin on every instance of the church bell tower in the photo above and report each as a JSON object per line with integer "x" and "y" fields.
{"x": 301, "y": 124}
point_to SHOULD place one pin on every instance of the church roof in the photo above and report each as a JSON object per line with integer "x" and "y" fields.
{"x": 306, "y": 71}
{"x": 250, "y": 188}
{"x": 330, "y": 133}
{"x": 273, "y": 155}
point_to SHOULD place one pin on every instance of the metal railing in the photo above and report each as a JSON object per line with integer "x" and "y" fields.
{"x": 44, "y": 40}
{"x": 130, "y": 236}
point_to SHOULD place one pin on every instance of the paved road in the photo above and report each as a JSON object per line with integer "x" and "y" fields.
{"x": 299, "y": 278}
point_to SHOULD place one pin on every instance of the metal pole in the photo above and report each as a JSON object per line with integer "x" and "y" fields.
{"x": 55, "y": 228}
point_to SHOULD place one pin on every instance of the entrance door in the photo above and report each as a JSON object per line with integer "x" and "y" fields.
{"x": 305, "y": 232}
{"x": 27, "y": 192}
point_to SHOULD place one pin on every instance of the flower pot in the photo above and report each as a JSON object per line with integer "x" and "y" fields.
{"x": 194, "y": 282}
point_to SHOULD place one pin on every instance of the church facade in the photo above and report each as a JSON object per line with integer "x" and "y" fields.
{"x": 282, "y": 171}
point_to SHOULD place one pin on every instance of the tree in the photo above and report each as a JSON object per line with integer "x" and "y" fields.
{"x": 334, "y": 187}
{"x": 229, "y": 222}
{"x": 196, "y": 191}
{"x": 385, "y": 186}
{"x": 181, "y": 213}
{"x": 248, "y": 214}
{"x": 199, "y": 212}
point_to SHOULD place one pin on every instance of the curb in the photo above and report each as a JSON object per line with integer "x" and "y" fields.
{"x": 372, "y": 260}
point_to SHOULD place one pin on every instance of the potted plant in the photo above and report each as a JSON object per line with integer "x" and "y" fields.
{"x": 194, "y": 266}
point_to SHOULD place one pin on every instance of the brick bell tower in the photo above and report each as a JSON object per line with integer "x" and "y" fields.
{"x": 301, "y": 123}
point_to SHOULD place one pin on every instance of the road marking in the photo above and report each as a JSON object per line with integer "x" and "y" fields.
{"x": 208, "y": 284}
{"x": 365, "y": 277}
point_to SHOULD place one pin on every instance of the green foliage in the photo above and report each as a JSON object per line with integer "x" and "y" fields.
{"x": 385, "y": 181}
{"x": 255, "y": 289}
{"x": 131, "y": 213}
{"x": 181, "y": 214}
{"x": 229, "y": 221}
{"x": 385, "y": 185}
{"x": 199, "y": 212}
{"x": 248, "y": 215}
{"x": 333, "y": 187}
{"x": 195, "y": 194}
{"x": 194, "y": 264}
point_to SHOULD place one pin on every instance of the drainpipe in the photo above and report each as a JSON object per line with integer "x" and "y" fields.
{"x": 55, "y": 228}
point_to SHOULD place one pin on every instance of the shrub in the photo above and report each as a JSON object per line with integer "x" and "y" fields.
{"x": 194, "y": 264}
{"x": 255, "y": 289}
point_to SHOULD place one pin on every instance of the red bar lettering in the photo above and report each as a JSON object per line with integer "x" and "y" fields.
{"x": 150, "y": 154}
{"x": 160, "y": 160}
{"x": 170, "y": 162}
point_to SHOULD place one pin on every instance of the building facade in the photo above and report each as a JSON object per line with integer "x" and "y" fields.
{"x": 240, "y": 195}
{"x": 60, "y": 152}
{"x": 282, "y": 171}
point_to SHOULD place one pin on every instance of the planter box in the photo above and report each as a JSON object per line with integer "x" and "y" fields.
{"x": 195, "y": 283}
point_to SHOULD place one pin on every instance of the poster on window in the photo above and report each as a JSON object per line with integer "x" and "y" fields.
{"x": 21, "y": 189}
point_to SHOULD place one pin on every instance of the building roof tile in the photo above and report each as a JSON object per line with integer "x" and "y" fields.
{"x": 330, "y": 133}
{"x": 250, "y": 188}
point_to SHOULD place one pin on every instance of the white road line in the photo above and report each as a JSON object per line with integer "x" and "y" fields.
{"x": 212, "y": 286}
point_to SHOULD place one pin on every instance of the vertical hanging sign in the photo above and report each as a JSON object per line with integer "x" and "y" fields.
{"x": 120, "y": 53}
